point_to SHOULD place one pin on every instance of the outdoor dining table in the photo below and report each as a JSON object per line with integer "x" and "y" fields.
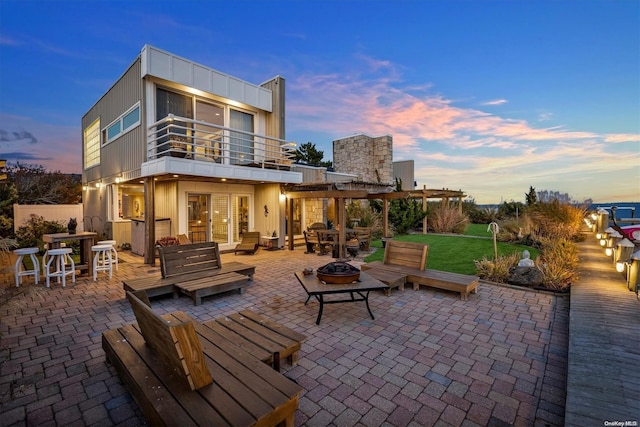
{"x": 316, "y": 288}
{"x": 86, "y": 238}
{"x": 331, "y": 238}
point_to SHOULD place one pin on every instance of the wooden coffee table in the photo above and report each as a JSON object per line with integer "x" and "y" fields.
{"x": 316, "y": 288}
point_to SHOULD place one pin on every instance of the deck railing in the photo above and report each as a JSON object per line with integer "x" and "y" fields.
{"x": 192, "y": 139}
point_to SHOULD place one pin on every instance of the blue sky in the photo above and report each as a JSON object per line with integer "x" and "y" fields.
{"x": 490, "y": 97}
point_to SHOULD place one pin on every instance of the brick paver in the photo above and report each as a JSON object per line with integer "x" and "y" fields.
{"x": 427, "y": 359}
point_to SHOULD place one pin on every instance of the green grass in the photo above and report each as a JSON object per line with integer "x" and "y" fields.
{"x": 477, "y": 230}
{"x": 454, "y": 253}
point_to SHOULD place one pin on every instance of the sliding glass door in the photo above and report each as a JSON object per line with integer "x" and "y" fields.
{"x": 241, "y": 150}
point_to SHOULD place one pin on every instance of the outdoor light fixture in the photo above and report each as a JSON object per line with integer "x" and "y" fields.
{"x": 85, "y": 187}
{"x": 98, "y": 184}
{"x": 624, "y": 253}
{"x": 118, "y": 180}
{"x": 608, "y": 251}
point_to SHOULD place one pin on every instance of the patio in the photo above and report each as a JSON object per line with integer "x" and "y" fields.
{"x": 428, "y": 358}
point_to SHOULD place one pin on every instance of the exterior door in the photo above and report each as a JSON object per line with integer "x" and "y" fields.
{"x": 240, "y": 216}
{"x": 220, "y": 218}
{"x": 198, "y": 212}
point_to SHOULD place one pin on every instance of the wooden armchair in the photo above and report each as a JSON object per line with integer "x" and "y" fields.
{"x": 249, "y": 243}
{"x": 364, "y": 237}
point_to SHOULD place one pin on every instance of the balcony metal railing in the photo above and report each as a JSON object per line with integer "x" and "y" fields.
{"x": 192, "y": 139}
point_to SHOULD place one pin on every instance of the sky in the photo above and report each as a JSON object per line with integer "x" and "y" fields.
{"x": 490, "y": 97}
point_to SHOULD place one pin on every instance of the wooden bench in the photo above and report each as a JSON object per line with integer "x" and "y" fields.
{"x": 393, "y": 279}
{"x": 195, "y": 270}
{"x": 182, "y": 377}
{"x": 410, "y": 259}
{"x": 267, "y": 340}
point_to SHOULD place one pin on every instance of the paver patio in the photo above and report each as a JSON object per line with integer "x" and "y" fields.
{"x": 427, "y": 359}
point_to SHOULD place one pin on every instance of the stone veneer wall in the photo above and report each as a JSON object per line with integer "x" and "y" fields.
{"x": 315, "y": 210}
{"x": 371, "y": 158}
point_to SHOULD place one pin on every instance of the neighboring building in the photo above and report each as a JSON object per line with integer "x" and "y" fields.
{"x": 370, "y": 158}
{"x": 189, "y": 149}
{"x": 404, "y": 171}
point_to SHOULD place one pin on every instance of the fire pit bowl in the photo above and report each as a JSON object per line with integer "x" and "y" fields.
{"x": 336, "y": 273}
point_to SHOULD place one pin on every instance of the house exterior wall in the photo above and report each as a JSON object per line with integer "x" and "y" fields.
{"x": 275, "y": 119}
{"x": 126, "y": 153}
{"x": 370, "y": 158}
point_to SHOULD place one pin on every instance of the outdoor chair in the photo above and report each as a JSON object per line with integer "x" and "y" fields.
{"x": 249, "y": 243}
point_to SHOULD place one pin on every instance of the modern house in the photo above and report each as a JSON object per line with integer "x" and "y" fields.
{"x": 175, "y": 147}
{"x": 178, "y": 148}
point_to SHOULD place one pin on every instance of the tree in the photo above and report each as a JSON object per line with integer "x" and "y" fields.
{"x": 404, "y": 214}
{"x": 37, "y": 186}
{"x": 531, "y": 197}
{"x": 310, "y": 155}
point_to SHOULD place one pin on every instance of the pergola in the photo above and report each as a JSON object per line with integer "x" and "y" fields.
{"x": 340, "y": 196}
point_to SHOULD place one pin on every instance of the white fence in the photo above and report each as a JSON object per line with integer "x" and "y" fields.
{"x": 58, "y": 213}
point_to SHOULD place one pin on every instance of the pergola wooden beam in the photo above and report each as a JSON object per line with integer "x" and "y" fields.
{"x": 340, "y": 197}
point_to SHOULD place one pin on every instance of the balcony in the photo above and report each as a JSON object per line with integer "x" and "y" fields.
{"x": 181, "y": 145}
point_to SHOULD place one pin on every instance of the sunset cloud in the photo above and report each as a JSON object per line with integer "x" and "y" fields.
{"x": 452, "y": 145}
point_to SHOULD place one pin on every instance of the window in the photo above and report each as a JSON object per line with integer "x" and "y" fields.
{"x": 241, "y": 142}
{"x": 91, "y": 142}
{"x": 123, "y": 124}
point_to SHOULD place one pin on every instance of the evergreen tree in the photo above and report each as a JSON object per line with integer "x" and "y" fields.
{"x": 308, "y": 154}
{"x": 531, "y": 197}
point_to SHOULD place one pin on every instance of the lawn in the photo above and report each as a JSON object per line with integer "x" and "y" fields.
{"x": 456, "y": 253}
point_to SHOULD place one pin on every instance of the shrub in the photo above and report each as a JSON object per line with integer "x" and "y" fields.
{"x": 498, "y": 270}
{"x": 448, "y": 220}
{"x": 366, "y": 216}
{"x": 558, "y": 261}
{"x": 30, "y": 234}
{"x": 557, "y": 220}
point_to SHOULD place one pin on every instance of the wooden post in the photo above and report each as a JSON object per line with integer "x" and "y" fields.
{"x": 340, "y": 215}
{"x": 385, "y": 217}
{"x": 290, "y": 225}
{"x": 149, "y": 221}
{"x": 424, "y": 220}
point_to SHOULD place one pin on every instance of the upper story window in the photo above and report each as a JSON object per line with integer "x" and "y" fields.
{"x": 123, "y": 124}
{"x": 91, "y": 142}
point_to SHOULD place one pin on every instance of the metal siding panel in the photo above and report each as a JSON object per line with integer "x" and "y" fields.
{"x": 182, "y": 71}
{"x": 126, "y": 153}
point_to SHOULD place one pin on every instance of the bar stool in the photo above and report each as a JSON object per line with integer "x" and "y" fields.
{"x": 46, "y": 255}
{"x": 59, "y": 258}
{"x": 114, "y": 252}
{"x": 102, "y": 260}
{"x": 19, "y": 271}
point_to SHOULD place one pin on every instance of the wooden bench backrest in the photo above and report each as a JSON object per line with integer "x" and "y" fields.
{"x": 408, "y": 254}
{"x": 183, "y": 259}
{"x": 317, "y": 226}
{"x": 177, "y": 345}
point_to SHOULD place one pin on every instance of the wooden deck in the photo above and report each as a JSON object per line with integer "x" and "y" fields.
{"x": 603, "y": 375}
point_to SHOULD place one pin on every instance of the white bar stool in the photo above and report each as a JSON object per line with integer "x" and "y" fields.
{"x": 60, "y": 258}
{"x": 19, "y": 268}
{"x": 102, "y": 260}
{"x": 114, "y": 252}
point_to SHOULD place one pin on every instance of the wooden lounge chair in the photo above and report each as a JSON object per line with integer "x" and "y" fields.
{"x": 249, "y": 243}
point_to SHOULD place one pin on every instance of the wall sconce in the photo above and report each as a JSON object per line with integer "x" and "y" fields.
{"x": 266, "y": 211}
{"x": 85, "y": 187}
{"x": 118, "y": 180}
{"x": 98, "y": 184}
